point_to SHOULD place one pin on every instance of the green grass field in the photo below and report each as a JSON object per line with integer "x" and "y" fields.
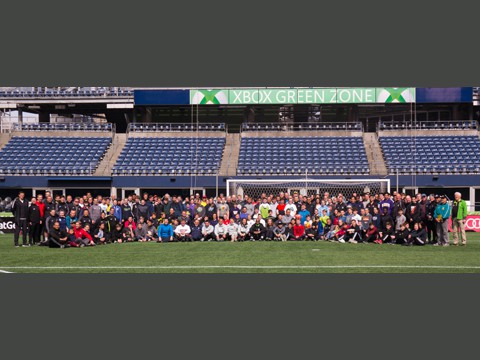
{"x": 248, "y": 257}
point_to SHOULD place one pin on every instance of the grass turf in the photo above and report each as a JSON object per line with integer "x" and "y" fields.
{"x": 213, "y": 257}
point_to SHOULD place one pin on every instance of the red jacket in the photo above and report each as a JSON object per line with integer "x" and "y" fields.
{"x": 81, "y": 234}
{"x": 373, "y": 231}
{"x": 41, "y": 207}
{"x": 298, "y": 230}
{"x": 134, "y": 226}
{"x": 342, "y": 231}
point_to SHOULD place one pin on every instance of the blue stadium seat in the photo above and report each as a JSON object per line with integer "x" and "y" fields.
{"x": 296, "y": 155}
{"x": 51, "y": 155}
{"x": 431, "y": 154}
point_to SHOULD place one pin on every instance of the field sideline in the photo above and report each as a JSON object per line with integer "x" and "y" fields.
{"x": 248, "y": 257}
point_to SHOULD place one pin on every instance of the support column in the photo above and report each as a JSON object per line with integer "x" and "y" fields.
{"x": 20, "y": 116}
{"x": 148, "y": 115}
{"x": 472, "y": 199}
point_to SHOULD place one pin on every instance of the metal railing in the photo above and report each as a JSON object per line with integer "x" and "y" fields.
{"x": 169, "y": 127}
{"x": 320, "y": 126}
{"x": 175, "y": 170}
{"x": 22, "y": 170}
{"x": 428, "y": 125}
{"x": 66, "y": 92}
{"x": 7, "y": 123}
{"x": 108, "y": 127}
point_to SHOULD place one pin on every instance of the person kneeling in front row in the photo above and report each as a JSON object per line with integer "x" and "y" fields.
{"x": 57, "y": 238}
{"x": 208, "y": 232}
{"x": 165, "y": 232}
{"x": 418, "y": 235}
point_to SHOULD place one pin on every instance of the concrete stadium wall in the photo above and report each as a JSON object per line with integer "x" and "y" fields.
{"x": 28, "y": 182}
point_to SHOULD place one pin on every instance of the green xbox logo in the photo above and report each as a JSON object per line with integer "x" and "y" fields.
{"x": 396, "y": 95}
{"x": 208, "y": 97}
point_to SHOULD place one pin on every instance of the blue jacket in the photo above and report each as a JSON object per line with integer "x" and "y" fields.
{"x": 196, "y": 231}
{"x": 442, "y": 210}
{"x": 303, "y": 214}
{"x": 63, "y": 223}
{"x": 69, "y": 221}
{"x": 165, "y": 231}
{"x": 118, "y": 212}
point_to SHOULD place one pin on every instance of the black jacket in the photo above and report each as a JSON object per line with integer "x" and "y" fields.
{"x": 34, "y": 214}
{"x": 49, "y": 206}
{"x": 20, "y": 209}
{"x": 62, "y": 206}
{"x": 110, "y": 223}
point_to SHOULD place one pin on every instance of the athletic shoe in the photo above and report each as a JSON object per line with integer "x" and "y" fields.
{"x": 341, "y": 241}
{"x": 17, "y": 245}
{"x": 62, "y": 246}
{"x": 446, "y": 244}
{"x": 436, "y": 244}
{"x": 455, "y": 244}
{"x": 26, "y": 245}
{"x": 351, "y": 241}
{"x": 464, "y": 244}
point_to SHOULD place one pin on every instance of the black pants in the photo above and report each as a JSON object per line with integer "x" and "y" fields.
{"x": 401, "y": 240}
{"x": 209, "y": 237}
{"x": 20, "y": 225}
{"x": 257, "y": 236}
{"x": 371, "y": 238}
{"x": 34, "y": 233}
{"x": 431, "y": 231}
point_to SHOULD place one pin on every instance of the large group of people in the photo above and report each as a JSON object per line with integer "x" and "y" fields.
{"x": 397, "y": 218}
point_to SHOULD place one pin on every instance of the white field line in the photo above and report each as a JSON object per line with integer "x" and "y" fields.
{"x": 5, "y": 272}
{"x": 166, "y": 267}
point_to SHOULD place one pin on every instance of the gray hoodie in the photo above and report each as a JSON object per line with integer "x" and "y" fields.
{"x": 95, "y": 212}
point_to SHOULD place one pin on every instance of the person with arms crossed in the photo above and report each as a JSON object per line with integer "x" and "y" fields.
{"x": 459, "y": 214}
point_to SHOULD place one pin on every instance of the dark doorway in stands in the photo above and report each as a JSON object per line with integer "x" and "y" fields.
{"x": 81, "y": 192}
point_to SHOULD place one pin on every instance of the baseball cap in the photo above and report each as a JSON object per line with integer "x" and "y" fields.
{"x": 204, "y": 196}
{"x": 443, "y": 197}
{"x": 424, "y": 195}
{"x": 436, "y": 196}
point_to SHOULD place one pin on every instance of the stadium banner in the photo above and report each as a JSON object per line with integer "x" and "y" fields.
{"x": 7, "y": 225}
{"x": 445, "y": 95}
{"x": 266, "y": 96}
{"x": 161, "y": 97}
{"x": 472, "y": 223}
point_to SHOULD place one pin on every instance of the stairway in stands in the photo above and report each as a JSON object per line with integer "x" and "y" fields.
{"x": 376, "y": 162}
{"x": 110, "y": 158}
{"x": 228, "y": 166}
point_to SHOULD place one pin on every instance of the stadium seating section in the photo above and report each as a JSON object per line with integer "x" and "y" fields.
{"x": 431, "y": 154}
{"x": 52, "y": 155}
{"x": 296, "y": 155}
{"x": 164, "y": 156}
{"x": 75, "y": 92}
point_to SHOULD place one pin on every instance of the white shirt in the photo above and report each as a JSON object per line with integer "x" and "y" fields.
{"x": 292, "y": 207}
{"x": 182, "y": 229}
{"x": 220, "y": 229}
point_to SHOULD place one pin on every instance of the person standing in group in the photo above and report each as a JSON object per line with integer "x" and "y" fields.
{"x": 441, "y": 215}
{"x": 431, "y": 223}
{"x": 20, "y": 212}
{"x": 459, "y": 214}
{"x": 34, "y": 222}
